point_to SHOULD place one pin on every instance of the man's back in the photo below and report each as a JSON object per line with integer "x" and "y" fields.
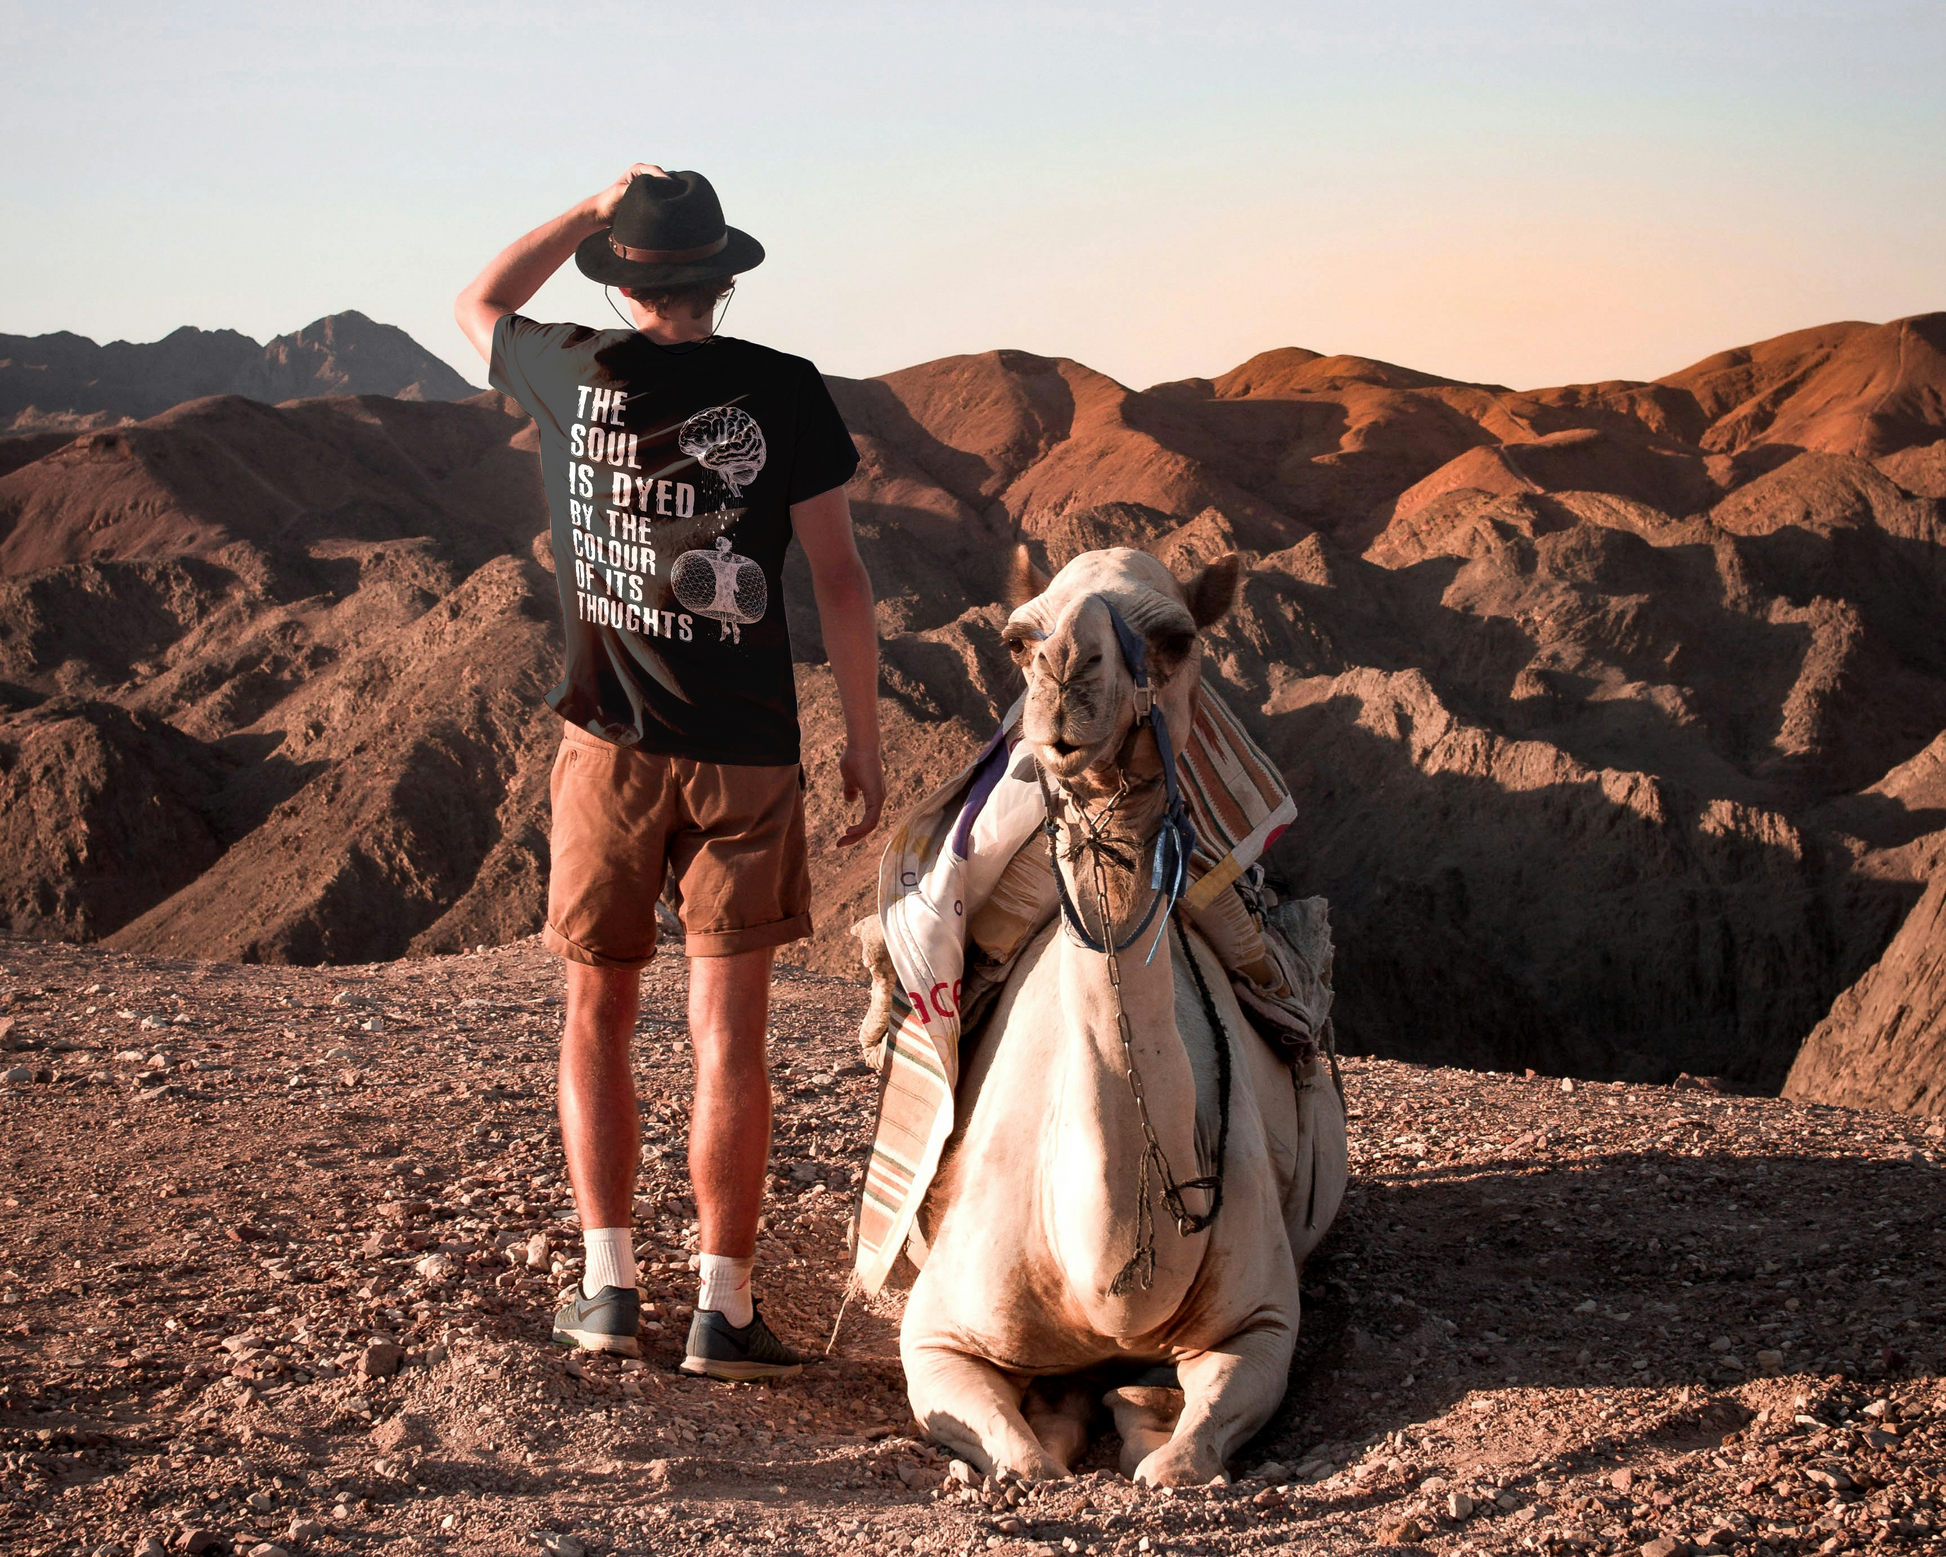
{"x": 670, "y": 472}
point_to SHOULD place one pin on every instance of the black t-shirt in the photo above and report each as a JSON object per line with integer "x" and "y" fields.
{"x": 669, "y": 474}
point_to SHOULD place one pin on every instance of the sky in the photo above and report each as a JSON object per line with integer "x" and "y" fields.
{"x": 1525, "y": 192}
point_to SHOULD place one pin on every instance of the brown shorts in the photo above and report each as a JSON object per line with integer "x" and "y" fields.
{"x": 731, "y": 836}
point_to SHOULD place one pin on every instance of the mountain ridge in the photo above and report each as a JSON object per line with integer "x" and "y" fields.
{"x": 1592, "y": 698}
{"x": 63, "y": 381}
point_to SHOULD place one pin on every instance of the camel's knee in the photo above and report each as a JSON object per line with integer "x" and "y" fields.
{"x": 877, "y": 1024}
{"x": 973, "y": 1408}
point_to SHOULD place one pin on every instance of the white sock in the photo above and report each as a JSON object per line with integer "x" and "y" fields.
{"x": 726, "y": 1288}
{"x": 610, "y": 1260}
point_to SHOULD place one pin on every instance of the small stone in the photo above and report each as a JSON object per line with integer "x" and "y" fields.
{"x": 1664, "y": 1546}
{"x": 1009, "y": 1525}
{"x": 963, "y": 1473}
{"x": 537, "y": 1251}
{"x": 1880, "y": 1411}
{"x": 1621, "y": 1480}
{"x": 436, "y": 1267}
{"x": 372, "y": 1024}
{"x": 268, "y": 1549}
{"x": 1771, "y": 1360}
{"x": 381, "y": 1360}
{"x": 562, "y": 1545}
{"x": 149, "y": 1546}
{"x": 1721, "y": 1344}
{"x": 16, "y": 1076}
{"x": 1459, "y": 1506}
{"x": 260, "y": 1502}
{"x": 1586, "y": 1306}
{"x": 1270, "y": 1497}
{"x": 1567, "y": 1083}
{"x": 197, "y": 1541}
{"x": 1270, "y": 1470}
{"x": 1402, "y": 1533}
{"x": 303, "y": 1530}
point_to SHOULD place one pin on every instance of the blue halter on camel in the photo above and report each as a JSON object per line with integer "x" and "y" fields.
{"x": 1175, "y": 837}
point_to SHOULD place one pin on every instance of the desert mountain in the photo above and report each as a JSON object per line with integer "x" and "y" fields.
{"x": 1607, "y": 707}
{"x": 65, "y": 382}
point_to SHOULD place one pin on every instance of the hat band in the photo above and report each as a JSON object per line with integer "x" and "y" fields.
{"x": 667, "y": 256}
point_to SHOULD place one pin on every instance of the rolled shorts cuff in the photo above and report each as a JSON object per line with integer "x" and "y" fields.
{"x": 756, "y": 937}
{"x": 573, "y": 951}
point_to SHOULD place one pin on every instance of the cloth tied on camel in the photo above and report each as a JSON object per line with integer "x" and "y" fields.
{"x": 966, "y": 882}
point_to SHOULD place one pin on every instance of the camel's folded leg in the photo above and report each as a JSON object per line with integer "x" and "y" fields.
{"x": 1228, "y": 1393}
{"x": 1058, "y": 1412}
{"x": 877, "y": 1025}
{"x": 971, "y": 1407}
{"x": 1145, "y": 1417}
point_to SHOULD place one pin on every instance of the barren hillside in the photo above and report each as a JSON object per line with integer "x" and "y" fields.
{"x": 1611, "y": 709}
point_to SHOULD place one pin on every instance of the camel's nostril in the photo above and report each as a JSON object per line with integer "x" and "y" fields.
{"x": 1064, "y": 748}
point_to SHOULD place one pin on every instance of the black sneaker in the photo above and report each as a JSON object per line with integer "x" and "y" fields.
{"x": 605, "y": 1322}
{"x": 719, "y": 1350}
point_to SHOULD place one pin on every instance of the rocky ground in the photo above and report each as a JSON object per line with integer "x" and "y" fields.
{"x": 278, "y": 1246}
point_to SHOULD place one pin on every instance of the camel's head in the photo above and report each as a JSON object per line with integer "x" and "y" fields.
{"x": 1080, "y": 691}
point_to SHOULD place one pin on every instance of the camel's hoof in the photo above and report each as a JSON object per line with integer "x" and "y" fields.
{"x": 1178, "y": 1464}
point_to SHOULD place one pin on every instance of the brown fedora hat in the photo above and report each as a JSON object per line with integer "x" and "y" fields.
{"x": 667, "y": 232}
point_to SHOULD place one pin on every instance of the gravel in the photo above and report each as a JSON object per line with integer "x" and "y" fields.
{"x": 335, "y": 1296}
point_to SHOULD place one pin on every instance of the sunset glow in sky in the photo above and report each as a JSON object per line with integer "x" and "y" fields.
{"x": 1523, "y": 193}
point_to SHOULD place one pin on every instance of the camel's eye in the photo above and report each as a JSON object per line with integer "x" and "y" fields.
{"x": 1017, "y": 645}
{"x": 1170, "y": 649}
{"x": 1092, "y": 660}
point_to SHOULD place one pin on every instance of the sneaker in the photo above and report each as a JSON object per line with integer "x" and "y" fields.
{"x": 605, "y": 1322}
{"x": 719, "y": 1350}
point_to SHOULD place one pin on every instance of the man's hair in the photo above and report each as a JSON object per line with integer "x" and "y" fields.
{"x": 692, "y": 300}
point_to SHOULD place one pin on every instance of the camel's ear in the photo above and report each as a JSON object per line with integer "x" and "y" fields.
{"x": 1212, "y": 590}
{"x": 1024, "y": 580}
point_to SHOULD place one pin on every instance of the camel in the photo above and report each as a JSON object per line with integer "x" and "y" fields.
{"x": 1038, "y": 1296}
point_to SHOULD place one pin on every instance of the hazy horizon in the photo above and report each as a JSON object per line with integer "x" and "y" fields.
{"x": 1536, "y": 194}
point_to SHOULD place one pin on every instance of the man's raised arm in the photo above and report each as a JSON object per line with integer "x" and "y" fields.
{"x": 844, "y": 594}
{"x": 519, "y": 270}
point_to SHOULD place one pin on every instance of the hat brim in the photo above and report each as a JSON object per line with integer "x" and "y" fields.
{"x": 598, "y": 262}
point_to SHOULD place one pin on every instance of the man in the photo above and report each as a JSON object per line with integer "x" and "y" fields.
{"x": 678, "y": 464}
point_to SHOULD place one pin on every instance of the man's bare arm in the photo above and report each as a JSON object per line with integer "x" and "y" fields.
{"x": 518, "y": 271}
{"x": 844, "y": 593}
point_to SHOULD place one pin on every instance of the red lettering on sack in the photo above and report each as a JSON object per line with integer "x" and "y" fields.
{"x": 919, "y": 1004}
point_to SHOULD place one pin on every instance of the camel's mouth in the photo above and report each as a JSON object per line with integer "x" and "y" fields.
{"x": 1065, "y": 758}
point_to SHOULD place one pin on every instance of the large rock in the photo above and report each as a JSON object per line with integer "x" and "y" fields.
{"x": 1883, "y": 1045}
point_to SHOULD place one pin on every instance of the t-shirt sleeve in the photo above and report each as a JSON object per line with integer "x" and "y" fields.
{"x": 825, "y": 456}
{"x": 522, "y": 350}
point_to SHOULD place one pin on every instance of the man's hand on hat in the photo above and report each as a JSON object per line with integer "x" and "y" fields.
{"x": 609, "y": 198}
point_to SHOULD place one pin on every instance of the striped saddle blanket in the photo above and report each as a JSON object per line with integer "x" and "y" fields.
{"x": 940, "y": 867}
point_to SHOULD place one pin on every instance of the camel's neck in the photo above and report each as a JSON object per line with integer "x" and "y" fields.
{"x": 1100, "y": 1139}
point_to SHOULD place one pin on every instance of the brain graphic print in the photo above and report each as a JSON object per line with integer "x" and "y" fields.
{"x": 727, "y": 441}
{"x": 720, "y": 584}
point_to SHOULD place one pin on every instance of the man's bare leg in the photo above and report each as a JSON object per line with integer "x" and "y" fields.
{"x": 601, "y": 1136}
{"x": 601, "y": 1125}
{"x": 729, "y": 1127}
